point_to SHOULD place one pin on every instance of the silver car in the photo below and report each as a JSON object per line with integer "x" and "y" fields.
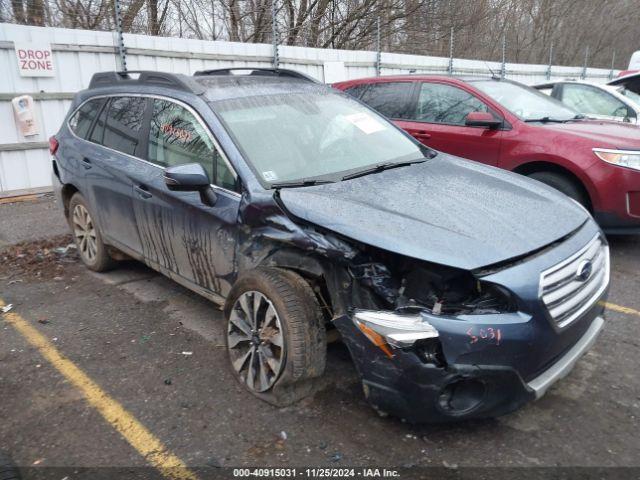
{"x": 612, "y": 101}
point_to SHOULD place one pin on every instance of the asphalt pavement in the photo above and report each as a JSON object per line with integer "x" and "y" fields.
{"x": 155, "y": 350}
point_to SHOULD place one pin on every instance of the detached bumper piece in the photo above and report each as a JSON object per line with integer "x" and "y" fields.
{"x": 412, "y": 380}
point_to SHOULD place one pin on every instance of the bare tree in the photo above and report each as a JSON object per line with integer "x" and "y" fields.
{"x": 19, "y": 14}
{"x": 530, "y": 27}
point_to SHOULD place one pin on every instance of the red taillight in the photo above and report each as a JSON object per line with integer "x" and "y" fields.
{"x": 53, "y": 145}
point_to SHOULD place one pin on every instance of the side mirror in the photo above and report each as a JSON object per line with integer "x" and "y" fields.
{"x": 482, "y": 119}
{"x": 190, "y": 177}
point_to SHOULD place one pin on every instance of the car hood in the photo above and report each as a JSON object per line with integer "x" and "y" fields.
{"x": 630, "y": 76}
{"x": 602, "y": 133}
{"x": 446, "y": 210}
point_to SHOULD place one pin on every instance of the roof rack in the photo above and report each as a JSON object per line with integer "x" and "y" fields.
{"x": 256, "y": 72}
{"x": 175, "y": 81}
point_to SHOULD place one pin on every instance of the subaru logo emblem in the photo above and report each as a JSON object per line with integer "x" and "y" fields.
{"x": 584, "y": 271}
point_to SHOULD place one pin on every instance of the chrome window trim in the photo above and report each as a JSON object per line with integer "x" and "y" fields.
{"x": 593, "y": 298}
{"x": 186, "y": 106}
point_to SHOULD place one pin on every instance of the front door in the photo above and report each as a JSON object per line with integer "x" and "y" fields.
{"x": 438, "y": 121}
{"x": 181, "y": 236}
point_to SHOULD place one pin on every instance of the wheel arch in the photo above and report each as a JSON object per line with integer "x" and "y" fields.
{"x": 536, "y": 166}
{"x": 67, "y": 191}
{"x": 316, "y": 272}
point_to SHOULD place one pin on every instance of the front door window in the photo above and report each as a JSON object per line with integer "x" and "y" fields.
{"x": 176, "y": 137}
{"x": 439, "y": 103}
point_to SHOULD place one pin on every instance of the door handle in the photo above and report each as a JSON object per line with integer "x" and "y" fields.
{"x": 420, "y": 134}
{"x": 86, "y": 163}
{"x": 142, "y": 191}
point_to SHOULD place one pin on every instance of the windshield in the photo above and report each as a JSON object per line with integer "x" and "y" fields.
{"x": 319, "y": 133}
{"x": 633, "y": 96}
{"x": 526, "y": 102}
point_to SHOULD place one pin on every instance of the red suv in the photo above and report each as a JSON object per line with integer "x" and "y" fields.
{"x": 511, "y": 126}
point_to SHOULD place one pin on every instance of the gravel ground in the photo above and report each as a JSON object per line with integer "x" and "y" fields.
{"x": 30, "y": 220}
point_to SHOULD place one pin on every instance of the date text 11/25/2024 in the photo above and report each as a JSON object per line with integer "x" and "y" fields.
{"x": 319, "y": 472}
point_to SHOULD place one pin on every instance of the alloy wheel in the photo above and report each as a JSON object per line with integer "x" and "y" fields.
{"x": 255, "y": 340}
{"x": 85, "y": 233}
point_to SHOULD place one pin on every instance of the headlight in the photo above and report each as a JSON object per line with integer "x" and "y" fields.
{"x": 386, "y": 329}
{"x": 621, "y": 158}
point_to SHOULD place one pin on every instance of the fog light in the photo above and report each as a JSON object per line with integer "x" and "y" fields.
{"x": 462, "y": 396}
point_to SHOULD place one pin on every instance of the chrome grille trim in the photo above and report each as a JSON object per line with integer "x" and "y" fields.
{"x": 564, "y": 294}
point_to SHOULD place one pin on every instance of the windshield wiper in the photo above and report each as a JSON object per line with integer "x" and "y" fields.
{"x": 380, "y": 167}
{"x": 299, "y": 183}
{"x": 547, "y": 120}
{"x": 579, "y": 116}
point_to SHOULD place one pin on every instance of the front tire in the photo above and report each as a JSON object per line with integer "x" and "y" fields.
{"x": 563, "y": 184}
{"x": 275, "y": 335}
{"x": 88, "y": 238}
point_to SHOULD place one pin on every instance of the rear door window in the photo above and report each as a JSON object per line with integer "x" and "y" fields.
{"x": 440, "y": 103}
{"x": 97, "y": 134}
{"x": 81, "y": 121}
{"x": 391, "y": 99}
{"x": 123, "y": 123}
{"x": 176, "y": 137}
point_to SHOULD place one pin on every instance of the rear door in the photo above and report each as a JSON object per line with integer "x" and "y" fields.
{"x": 76, "y": 147}
{"x": 437, "y": 119}
{"x": 109, "y": 165}
{"x": 185, "y": 239}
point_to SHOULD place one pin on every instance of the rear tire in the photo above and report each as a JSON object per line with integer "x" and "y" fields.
{"x": 563, "y": 184}
{"x": 275, "y": 335}
{"x": 86, "y": 233}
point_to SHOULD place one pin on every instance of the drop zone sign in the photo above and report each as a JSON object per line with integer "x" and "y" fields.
{"x": 34, "y": 59}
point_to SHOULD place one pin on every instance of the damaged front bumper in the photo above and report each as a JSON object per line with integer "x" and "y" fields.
{"x": 419, "y": 389}
{"x": 475, "y": 365}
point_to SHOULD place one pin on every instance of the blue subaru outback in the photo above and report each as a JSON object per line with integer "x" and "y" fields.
{"x": 461, "y": 290}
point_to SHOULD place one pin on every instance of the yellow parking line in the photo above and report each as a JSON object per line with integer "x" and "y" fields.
{"x": 150, "y": 447}
{"x": 620, "y": 308}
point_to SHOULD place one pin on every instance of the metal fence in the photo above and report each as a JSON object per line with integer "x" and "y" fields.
{"x": 78, "y": 54}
